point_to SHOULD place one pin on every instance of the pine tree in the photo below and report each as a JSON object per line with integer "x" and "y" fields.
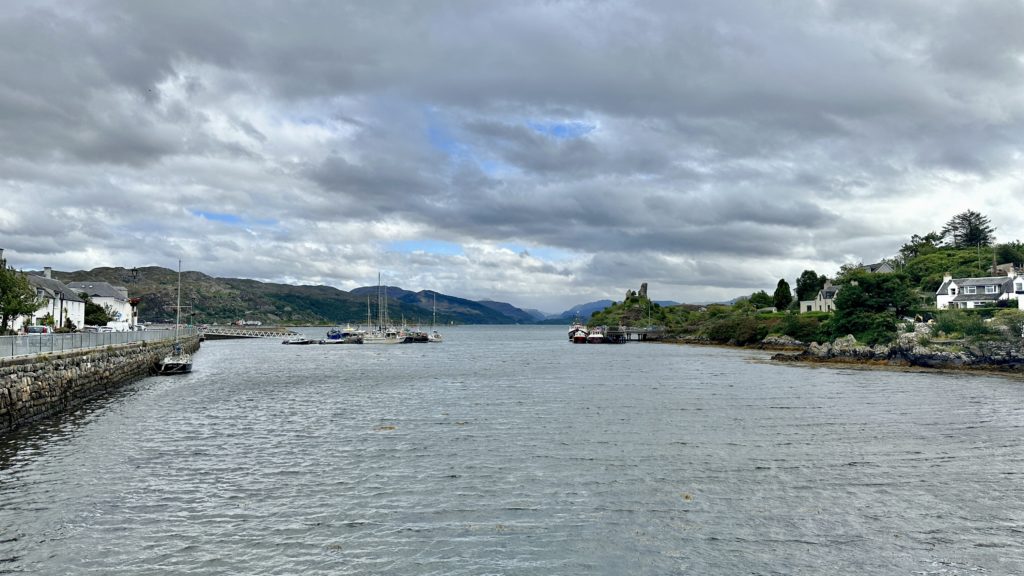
{"x": 783, "y": 295}
{"x": 969, "y": 229}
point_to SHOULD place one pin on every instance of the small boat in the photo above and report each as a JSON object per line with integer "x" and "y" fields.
{"x": 345, "y": 338}
{"x": 434, "y": 335}
{"x": 577, "y": 332}
{"x": 349, "y": 335}
{"x": 299, "y": 341}
{"x": 178, "y": 361}
{"x": 596, "y": 335}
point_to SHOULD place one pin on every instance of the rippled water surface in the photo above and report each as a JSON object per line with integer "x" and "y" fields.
{"x": 510, "y": 451}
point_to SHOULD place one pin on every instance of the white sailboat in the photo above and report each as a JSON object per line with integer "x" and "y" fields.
{"x": 383, "y": 333}
{"x": 434, "y": 335}
{"x": 178, "y": 361}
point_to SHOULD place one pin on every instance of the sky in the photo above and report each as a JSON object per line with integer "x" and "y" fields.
{"x": 543, "y": 153}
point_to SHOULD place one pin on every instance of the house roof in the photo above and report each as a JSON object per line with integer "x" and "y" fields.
{"x": 53, "y": 288}
{"x": 827, "y": 293}
{"x": 1005, "y": 281}
{"x": 875, "y": 267}
{"x": 100, "y": 290}
{"x": 975, "y": 297}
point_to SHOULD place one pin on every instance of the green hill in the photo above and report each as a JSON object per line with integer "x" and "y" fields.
{"x": 224, "y": 300}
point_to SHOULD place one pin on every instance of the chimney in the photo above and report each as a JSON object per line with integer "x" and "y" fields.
{"x": 947, "y": 277}
{"x": 47, "y": 272}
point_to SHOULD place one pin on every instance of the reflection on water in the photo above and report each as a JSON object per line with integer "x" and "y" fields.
{"x": 510, "y": 451}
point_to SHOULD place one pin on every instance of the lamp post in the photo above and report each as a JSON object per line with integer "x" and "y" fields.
{"x": 60, "y": 325}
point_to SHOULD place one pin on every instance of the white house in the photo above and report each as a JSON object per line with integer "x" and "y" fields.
{"x": 60, "y": 302}
{"x": 977, "y": 292}
{"x": 877, "y": 268}
{"x": 823, "y": 302}
{"x": 112, "y": 298}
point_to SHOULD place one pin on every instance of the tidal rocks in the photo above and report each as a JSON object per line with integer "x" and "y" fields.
{"x": 915, "y": 349}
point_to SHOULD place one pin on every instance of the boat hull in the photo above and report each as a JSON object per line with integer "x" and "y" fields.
{"x": 169, "y": 366}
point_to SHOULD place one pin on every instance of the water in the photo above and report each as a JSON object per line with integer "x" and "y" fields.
{"x": 510, "y": 451}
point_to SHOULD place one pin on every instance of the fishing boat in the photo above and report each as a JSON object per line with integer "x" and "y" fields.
{"x": 596, "y": 335}
{"x": 577, "y": 332}
{"x": 178, "y": 361}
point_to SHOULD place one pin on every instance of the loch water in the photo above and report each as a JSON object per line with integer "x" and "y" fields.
{"x": 508, "y": 450}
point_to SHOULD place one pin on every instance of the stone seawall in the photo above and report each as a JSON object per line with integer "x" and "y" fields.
{"x": 33, "y": 387}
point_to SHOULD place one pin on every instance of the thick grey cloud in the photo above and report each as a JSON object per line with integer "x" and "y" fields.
{"x": 539, "y": 152}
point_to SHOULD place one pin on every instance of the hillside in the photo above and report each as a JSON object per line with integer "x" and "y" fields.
{"x": 519, "y": 315}
{"x": 449, "y": 308}
{"x": 224, "y": 300}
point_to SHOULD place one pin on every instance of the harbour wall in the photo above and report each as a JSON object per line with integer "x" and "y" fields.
{"x": 41, "y": 385}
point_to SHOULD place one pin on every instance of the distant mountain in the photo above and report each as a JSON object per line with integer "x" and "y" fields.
{"x": 519, "y": 315}
{"x": 449, "y": 308}
{"x": 584, "y": 310}
{"x": 537, "y": 314}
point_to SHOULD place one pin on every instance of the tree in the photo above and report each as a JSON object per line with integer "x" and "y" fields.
{"x": 921, "y": 245}
{"x": 761, "y": 299}
{"x": 17, "y": 297}
{"x": 968, "y": 229}
{"x": 868, "y": 306}
{"x": 783, "y": 295}
{"x": 95, "y": 315}
{"x": 808, "y": 285}
{"x": 1010, "y": 252}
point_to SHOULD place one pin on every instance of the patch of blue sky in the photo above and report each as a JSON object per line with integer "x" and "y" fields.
{"x": 562, "y": 130}
{"x": 426, "y": 246}
{"x": 218, "y": 217}
{"x": 233, "y": 219}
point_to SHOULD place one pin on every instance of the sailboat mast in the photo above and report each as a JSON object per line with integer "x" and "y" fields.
{"x": 177, "y": 318}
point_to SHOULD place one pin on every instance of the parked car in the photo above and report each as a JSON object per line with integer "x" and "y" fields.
{"x": 37, "y": 330}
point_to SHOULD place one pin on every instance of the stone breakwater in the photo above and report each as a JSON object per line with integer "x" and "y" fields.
{"x": 33, "y": 387}
{"x": 916, "y": 348}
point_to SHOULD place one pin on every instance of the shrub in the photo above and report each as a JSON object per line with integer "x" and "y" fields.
{"x": 961, "y": 323}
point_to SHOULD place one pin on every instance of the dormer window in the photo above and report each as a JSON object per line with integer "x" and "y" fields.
{"x": 1018, "y": 287}
{"x": 990, "y": 290}
{"x": 970, "y": 289}
{"x": 952, "y": 291}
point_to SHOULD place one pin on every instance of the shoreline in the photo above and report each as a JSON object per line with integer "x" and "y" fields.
{"x": 790, "y": 354}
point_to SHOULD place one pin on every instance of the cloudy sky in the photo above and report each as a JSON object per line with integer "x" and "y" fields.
{"x": 543, "y": 153}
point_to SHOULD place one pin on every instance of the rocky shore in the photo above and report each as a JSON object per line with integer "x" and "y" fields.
{"x": 918, "y": 349}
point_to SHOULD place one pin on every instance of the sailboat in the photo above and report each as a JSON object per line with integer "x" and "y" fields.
{"x": 383, "y": 333}
{"x": 178, "y": 361}
{"x": 434, "y": 335}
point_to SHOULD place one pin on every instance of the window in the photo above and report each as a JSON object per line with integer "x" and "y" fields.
{"x": 1019, "y": 287}
{"x": 990, "y": 290}
{"x": 970, "y": 289}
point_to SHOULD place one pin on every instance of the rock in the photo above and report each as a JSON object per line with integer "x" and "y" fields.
{"x": 782, "y": 341}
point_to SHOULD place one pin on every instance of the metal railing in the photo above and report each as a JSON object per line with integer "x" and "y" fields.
{"x": 24, "y": 344}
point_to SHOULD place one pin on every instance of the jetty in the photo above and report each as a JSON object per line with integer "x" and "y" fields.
{"x": 637, "y": 333}
{"x": 230, "y": 332}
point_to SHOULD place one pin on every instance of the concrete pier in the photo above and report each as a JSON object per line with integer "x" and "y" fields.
{"x": 40, "y": 385}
